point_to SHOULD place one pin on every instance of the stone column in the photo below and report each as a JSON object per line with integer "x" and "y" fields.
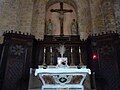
{"x": 38, "y": 19}
{"x": 84, "y": 16}
{"x": 41, "y": 20}
{"x": 117, "y": 13}
{"x": 1, "y": 18}
{"x": 97, "y": 17}
{"x": 109, "y": 15}
{"x": 25, "y": 15}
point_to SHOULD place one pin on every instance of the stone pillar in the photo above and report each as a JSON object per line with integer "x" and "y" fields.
{"x": 38, "y": 18}
{"x": 1, "y": 18}
{"x": 84, "y": 16}
{"x": 97, "y": 17}
{"x": 117, "y": 13}
{"x": 109, "y": 15}
{"x": 25, "y": 15}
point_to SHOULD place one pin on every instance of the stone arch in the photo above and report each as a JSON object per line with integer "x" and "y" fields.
{"x": 71, "y": 3}
{"x": 82, "y": 10}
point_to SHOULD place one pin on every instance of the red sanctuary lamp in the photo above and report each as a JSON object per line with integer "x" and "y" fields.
{"x": 95, "y": 56}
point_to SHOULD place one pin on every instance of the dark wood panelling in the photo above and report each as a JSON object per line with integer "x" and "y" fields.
{"x": 18, "y": 53}
{"x": 106, "y": 64}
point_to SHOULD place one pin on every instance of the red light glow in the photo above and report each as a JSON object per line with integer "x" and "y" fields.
{"x": 94, "y": 56}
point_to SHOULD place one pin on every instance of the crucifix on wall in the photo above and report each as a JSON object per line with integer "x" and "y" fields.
{"x": 61, "y": 11}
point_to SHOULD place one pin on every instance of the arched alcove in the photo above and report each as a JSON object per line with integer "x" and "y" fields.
{"x": 70, "y": 2}
{"x": 81, "y": 9}
{"x": 54, "y": 16}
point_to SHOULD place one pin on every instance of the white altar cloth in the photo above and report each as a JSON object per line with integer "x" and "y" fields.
{"x": 62, "y": 71}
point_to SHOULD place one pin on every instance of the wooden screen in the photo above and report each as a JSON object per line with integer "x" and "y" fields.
{"x": 16, "y": 61}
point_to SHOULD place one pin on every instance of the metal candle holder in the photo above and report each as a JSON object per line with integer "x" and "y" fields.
{"x": 44, "y": 56}
{"x": 51, "y": 61}
{"x": 72, "y": 57}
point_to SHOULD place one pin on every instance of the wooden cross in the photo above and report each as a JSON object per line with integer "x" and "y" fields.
{"x": 61, "y": 11}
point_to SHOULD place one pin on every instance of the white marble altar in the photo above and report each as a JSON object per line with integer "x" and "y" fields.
{"x": 61, "y": 76}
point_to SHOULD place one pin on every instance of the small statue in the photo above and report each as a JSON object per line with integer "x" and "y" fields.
{"x": 74, "y": 27}
{"x": 49, "y": 27}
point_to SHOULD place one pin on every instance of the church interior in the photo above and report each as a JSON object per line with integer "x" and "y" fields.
{"x": 32, "y": 31}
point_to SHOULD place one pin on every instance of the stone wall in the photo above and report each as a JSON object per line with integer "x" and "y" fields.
{"x": 9, "y": 17}
{"x": 1, "y": 8}
{"x": 117, "y": 13}
{"x": 41, "y": 19}
{"x": 94, "y": 16}
{"x": 108, "y": 12}
{"x": 25, "y": 15}
{"x": 84, "y": 18}
{"x": 16, "y": 15}
{"x": 98, "y": 24}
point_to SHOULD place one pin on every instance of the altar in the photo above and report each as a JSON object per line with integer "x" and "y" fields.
{"x": 62, "y": 76}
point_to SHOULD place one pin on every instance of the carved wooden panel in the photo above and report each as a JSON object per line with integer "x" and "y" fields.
{"x": 105, "y": 65}
{"x": 18, "y": 57}
{"x": 54, "y": 42}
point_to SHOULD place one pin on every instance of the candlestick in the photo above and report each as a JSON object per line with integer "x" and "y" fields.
{"x": 71, "y": 50}
{"x": 51, "y": 61}
{"x": 44, "y": 62}
{"x": 79, "y": 50}
{"x": 72, "y": 63}
{"x": 44, "y": 49}
{"x": 81, "y": 63}
{"x": 51, "y": 49}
